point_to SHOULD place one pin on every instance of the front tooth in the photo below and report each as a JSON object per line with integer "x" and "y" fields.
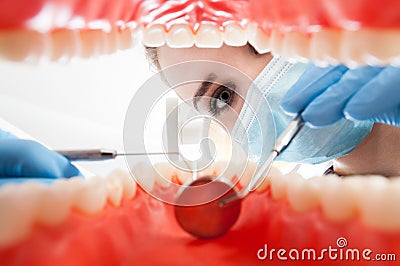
{"x": 164, "y": 172}
{"x": 143, "y": 173}
{"x": 296, "y": 45}
{"x": 90, "y": 195}
{"x": 303, "y": 194}
{"x": 380, "y": 208}
{"x": 235, "y": 167}
{"x": 324, "y": 47}
{"x": 208, "y": 36}
{"x": 227, "y": 170}
{"x": 234, "y": 35}
{"x": 154, "y": 36}
{"x": 128, "y": 184}
{"x": 178, "y": 172}
{"x": 338, "y": 198}
{"x": 180, "y": 36}
{"x": 258, "y": 39}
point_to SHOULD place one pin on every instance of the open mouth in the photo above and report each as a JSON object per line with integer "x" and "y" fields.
{"x": 112, "y": 221}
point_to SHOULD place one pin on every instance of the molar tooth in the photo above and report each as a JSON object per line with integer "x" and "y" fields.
{"x": 93, "y": 43}
{"x": 324, "y": 47}
{"x": 115, "y": 190}
{"x": 16, "y": 212}
{"x": 125, "y": 39}
{"x": 234, "y": 35}
{"x": 338, "y": 198}
{"x": 276, "y": 42}
{"x": 369, "y": 46}
{"x": 154, "y": 36}
{"x": 279, "y": 183}
{"x": 259, "y": 39}
{"x": 128, "y": 184}
{"x": 296, "y": 45}
{"x": 136, "y": 34}
{"x": 380, "y": 209}
{"x": 351, "y": 52}
{"x": 65, "y": 44}
{"x": 208, "y": 36}
{"x": 111, "y": 38}
{"x": 273, "y": 172}
{"x": 180, "y": 36}
{"x": 303, "y": 194}
{"x": 54, "y": 203}
{"x": 20, "y": 45}
{"x": 143, "y": 173}
{"x": 90, "y": 195}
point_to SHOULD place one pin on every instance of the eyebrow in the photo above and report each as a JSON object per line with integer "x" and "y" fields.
{"x": 203, "y": 88}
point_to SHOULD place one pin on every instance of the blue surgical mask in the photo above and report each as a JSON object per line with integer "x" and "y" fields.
{"x": 261, "y": 121}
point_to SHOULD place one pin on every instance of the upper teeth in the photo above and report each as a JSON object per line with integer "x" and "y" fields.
{"x": 325, "y": 46}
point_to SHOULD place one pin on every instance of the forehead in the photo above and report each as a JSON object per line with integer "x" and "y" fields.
{"x": 241, "y": 58}
{"x": 219, "y": 63}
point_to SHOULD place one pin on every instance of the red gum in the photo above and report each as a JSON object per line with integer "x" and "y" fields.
{"x": 288, "y": 15}
{"x": 143, "y": 231}
{"x": 283, "y": 14}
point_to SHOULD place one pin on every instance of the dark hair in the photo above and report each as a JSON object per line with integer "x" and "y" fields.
{"x": 152, "y": 56}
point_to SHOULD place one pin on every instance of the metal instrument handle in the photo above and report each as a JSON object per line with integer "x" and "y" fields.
{"x": 89, "y": 155}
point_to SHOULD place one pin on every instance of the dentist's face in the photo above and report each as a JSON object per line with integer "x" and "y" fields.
{"x": 220, "y": 90}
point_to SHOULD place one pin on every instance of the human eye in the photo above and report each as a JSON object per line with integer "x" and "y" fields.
{"x": 222, "y": 98}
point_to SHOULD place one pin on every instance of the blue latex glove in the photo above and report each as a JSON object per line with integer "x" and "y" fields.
{"x": 25, "y": 158}
{"x": 329, "y": 94}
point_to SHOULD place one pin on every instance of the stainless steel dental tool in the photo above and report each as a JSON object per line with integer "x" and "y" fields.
{"x": 221, "y": 201}
{"x": 281, "y": 144}
{"x": 102, "y": 154}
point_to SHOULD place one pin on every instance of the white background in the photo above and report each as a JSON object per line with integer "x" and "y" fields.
{"x": 76, "y": 105}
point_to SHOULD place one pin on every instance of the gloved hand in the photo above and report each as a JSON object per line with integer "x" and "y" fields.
{"x": 326, "y": 95}
{"x": 26, "y": 158}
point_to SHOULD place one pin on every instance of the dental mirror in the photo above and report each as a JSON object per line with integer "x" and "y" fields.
{"x": 208, "y": 208}
{"x": 198, "y": 211}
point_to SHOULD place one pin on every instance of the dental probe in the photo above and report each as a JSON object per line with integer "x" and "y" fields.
{"x": 281, "y": 144}
{"x": 102, "y": 154}
{"x": 209, "y": 207}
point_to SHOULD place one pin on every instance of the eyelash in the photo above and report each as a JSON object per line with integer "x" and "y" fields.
{"x": 215, "y": 100}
